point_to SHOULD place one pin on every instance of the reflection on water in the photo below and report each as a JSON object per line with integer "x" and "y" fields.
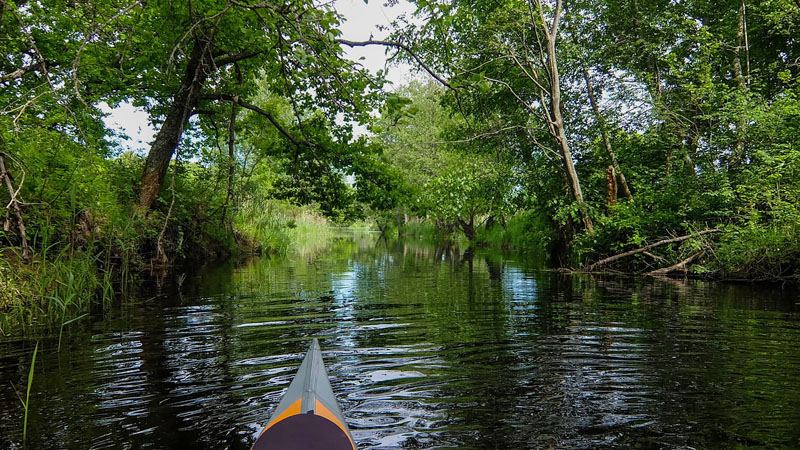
{"x": 426, "y": 347}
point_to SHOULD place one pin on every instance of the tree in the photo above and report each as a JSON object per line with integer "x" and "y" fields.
{"x": 228, "y": 45}
{"x": 465, "y": 192}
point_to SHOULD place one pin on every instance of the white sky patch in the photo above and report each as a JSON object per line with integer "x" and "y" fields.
{"x": 132, "y": 122}
{"x": 361, "y": 20}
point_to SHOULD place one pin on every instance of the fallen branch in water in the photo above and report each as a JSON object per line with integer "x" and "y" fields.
{"x": 679, "y": 266}
{"x": 610, "y": 259}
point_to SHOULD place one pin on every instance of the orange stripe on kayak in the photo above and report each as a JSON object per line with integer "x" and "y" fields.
{"x": 293, "y": 409}
{"x": 321, "y": 410}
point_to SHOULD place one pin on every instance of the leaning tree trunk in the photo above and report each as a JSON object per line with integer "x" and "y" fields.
{"x": 611, "y": 187}
{"x": 561, "y": 134}
{"x": 169, "y": 135}
{"x": 554, "y": 118}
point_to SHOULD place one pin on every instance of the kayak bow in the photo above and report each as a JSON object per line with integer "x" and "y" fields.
{"x": 308, "y": 416}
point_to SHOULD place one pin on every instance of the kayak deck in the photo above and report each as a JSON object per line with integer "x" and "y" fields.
{"x": 308, "y": 416}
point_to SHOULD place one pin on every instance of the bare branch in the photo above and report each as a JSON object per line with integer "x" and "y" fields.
{"x": 21, "y": 71}
{"x": 258, "y": 110}
{"x": 514, "y": 93}
{"x": 482, "y": 135}
{"x": 679, "y": 266}
{"x": 237, "y": 57}
{"x": 14, "y": 204}
{"x": 398, "y": 45}
{"x": 533, "y": 79}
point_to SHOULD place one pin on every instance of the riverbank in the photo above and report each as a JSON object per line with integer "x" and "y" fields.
{"x": 749, "y": 252}
{"x": 62, "y": 279}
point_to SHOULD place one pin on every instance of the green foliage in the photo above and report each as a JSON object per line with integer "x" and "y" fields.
{"x": 424, "y": 230}
{"x": 466, "y": 192}
{"x": 698, "y": 100}
{"x": 703, "y": 120}
{"x": 527, "y": 232}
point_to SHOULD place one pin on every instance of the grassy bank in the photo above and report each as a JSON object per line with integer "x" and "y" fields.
{"x": 50, "y": 290}
{"x": 64, "y": 279}
{"x": 278, "y": 227}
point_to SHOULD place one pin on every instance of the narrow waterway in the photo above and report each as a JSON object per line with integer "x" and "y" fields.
{"x": 426, "y": 347}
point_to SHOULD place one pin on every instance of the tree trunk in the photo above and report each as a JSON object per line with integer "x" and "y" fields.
{"x": 691, "y": 151}
{"x": 468, "y": 228}
{"x": 169, "y": 135}
{"x": 623, "y": 184}
{"x": 231, "y": 159}
{"x": 741, "y": 81}
{"x": 553, "y": 114}
{"x": 561, "y": 135}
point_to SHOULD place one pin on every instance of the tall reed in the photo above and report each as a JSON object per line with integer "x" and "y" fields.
{"x": 26, "y": 404}
{"x": 278, "y": 227}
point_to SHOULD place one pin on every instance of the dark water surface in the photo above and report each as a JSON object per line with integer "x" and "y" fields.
{"x": 426, "y": 347}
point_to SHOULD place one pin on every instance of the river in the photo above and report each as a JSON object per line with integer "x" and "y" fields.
{"x": 426, "y": 347}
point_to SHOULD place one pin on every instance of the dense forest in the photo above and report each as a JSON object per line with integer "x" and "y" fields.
{"x": 652, "y": 136}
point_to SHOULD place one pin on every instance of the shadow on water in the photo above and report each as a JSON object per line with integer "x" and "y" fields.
{"x": 427, "y": 346}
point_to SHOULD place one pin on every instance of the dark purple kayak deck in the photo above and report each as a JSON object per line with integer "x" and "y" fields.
{"x": 304, "y": 432}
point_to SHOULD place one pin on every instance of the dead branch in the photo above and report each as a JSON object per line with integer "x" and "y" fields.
{"x": 656, "y": 257}
{"x": 14, "y": 204}
{"x": 616, "y": 257}
{"x": 488, "y": 134}
{"x": 675, "y": 267}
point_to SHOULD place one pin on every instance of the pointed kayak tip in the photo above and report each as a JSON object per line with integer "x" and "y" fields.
{"x": 308, "y": 416}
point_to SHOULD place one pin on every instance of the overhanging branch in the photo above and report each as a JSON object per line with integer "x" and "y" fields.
{"x": 22, "y": 71}
{"x": 258, "y": 110}
{"x": 237, "y": 57}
